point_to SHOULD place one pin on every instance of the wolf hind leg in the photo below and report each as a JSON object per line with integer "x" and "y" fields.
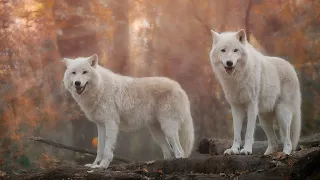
{"x": 171, "y": 131}
{"x": 284, "y": 116}
{"x": 161, "y": 140}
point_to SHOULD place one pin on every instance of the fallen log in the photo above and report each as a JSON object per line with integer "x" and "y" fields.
{"x": 76, "y": 149}
{"x": 303, "y": 164}
{"x": 218, "y": 146}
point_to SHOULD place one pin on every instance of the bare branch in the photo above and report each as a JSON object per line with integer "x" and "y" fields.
{"x": 76, "y": 149}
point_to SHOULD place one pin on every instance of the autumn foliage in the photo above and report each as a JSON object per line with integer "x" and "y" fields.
{"x": 137, "y": 38}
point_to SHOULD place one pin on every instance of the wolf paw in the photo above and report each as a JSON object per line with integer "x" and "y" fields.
{"x": 245, "y": 152}
{"x": 177, "y": 158}
{"x": 231, "y": 151}
{"x": 270, "y": 151}
{"x": 103, "y": 164}
{"x": 89, "y": 165}
{"x": 96, "y": 166}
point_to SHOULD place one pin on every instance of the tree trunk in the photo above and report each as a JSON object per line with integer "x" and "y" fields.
{"x": 218, "y": 146}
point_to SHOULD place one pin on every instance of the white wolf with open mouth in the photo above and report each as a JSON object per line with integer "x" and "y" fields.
{"x": 116, "y": 102}
{"x": 255, "y": 84}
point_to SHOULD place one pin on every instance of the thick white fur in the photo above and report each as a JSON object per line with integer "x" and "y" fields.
{"x": 259, "y": 85}
{"x": 114, "y": 102}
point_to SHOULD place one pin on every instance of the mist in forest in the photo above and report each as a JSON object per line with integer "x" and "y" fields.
{"x": 136, "y": 38}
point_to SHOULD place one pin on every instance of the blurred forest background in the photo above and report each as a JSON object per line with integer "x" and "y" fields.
{"x": 136, "y": 38}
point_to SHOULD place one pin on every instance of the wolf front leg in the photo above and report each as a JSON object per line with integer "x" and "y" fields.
{"x": 101, "y": 143}
{"x": 111, "y": 132}
{"x": 238, "y": 115}
{"x": 252, "y": 114}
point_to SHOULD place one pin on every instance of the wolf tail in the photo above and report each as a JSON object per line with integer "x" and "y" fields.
{"x": 295, "y": 128}
{"x": 186, "y": 135}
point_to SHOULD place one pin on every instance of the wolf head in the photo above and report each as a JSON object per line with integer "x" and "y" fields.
{"x": 228, "y": 51}
{"x": 81, "y": 74}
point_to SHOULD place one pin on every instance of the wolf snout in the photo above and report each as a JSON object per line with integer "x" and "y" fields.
{"x": 77, "y": 83}
{"x": 229, "y": 63}
{"x": 229, "y": 67}
{"x": 80, "y": 87}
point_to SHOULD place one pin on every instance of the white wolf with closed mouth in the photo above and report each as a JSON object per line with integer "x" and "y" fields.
{"x": 114, "y": 102}
{"x": 255, "y": 84}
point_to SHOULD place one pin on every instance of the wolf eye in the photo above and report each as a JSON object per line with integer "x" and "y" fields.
{"x": 73, "y": 72}
{"x": 235, "y": 50}
{"x": 85, "y": 72}
{"x": 223, "y": 50}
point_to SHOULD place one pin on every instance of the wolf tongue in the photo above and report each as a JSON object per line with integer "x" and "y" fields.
{"x": 79, "y": 90}
{"x": 229, "y": 70}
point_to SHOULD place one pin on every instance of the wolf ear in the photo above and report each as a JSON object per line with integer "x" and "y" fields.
{"x": 215, "y": 36}
{"x": 241, "y": 36}
{"x": 93, "y": 60}
{"x": 66, "y": 61}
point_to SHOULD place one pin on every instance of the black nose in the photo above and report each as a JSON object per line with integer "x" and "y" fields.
{"x": 77, "y": 83}
{"x": 229, "y": 63}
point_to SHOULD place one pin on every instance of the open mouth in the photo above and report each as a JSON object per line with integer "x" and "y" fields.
{"x": 229, "y": 70}
{"x": 81, "y": 89}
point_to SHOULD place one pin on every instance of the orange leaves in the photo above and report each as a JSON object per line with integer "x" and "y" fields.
{"x": 48, "y": 4}
{"x": 27, "y": 75}
{"x": 94, "y": 142}
{"x": 46, "y": 161}
{"x": 16, "y": 136}
{"x": 286, "y": 14}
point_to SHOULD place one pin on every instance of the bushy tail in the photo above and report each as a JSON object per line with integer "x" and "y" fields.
{"x": 186, "y": 136}
{"x": 295, "y": 129}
